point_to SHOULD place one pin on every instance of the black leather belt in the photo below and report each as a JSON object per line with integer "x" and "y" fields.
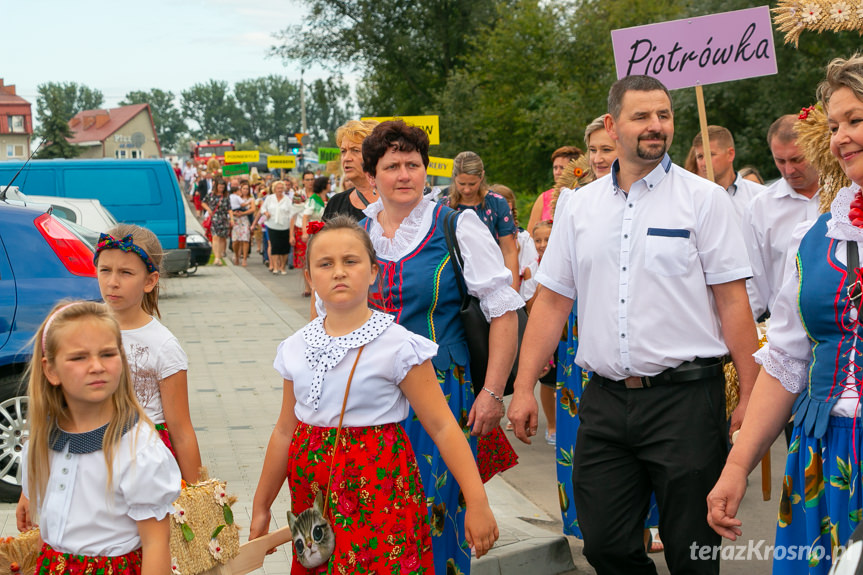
{"x": 688, "y": 371}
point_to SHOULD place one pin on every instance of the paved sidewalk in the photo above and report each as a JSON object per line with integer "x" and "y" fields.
{"x": 229, "y": 324}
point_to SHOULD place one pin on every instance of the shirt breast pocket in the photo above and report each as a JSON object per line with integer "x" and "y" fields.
{"x": 667, "y": 251}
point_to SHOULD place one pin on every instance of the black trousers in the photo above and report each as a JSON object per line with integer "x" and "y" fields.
{"x": 670, "y": 439}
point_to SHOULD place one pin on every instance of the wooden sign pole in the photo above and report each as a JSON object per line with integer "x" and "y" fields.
{"x": 705, "y": 137}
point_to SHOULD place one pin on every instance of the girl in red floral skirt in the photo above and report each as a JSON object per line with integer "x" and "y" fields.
{"x": 375, "y": 503}
{"x": 100, "y": 482}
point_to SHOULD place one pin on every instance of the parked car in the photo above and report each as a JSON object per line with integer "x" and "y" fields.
{"x": 85, "y": 212}
{"x": 200, "y": 248}
{"x": 142, "y": 192}
{"x": 43, "y": 260}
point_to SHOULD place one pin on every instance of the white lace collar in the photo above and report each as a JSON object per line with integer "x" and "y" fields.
{"x": 406, "y": 234}
{"x": 839, "y": 227}
{"x": 324, "y": 351}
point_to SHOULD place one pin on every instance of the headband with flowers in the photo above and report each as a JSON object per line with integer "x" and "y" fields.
{"x": 109, "y": 242}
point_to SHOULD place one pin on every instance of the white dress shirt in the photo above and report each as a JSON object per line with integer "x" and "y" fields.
{"x": 640, "y": 266}
{"x": 79, "y": 515}
{"x": 768, "y": 223}
{"x": 742, "y": 192}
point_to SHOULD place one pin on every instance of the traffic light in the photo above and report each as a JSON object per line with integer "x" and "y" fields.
{"x": 295, "y": 150}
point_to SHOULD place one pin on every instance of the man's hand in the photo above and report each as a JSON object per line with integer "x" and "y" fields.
{"x": 523, "y": 414}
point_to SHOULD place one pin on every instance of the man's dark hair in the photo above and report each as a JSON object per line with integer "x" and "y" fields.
{"x": 632, "y": 83}
{"x": 321, "y": 185}
{"x": 393, "y": 135}
{"x": 308, "y": 172}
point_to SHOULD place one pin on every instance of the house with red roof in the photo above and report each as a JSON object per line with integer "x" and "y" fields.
{"x": 16, "y": 124}
{"x": 124, "y": 132}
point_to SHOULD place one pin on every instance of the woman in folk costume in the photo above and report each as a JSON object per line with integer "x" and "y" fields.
{"x": 812, "y": 363}
{"x": 418, "y": 287}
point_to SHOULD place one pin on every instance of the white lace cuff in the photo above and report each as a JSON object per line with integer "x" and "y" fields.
{"x": 499, "y": 302}
{"x": 790, "y": 372}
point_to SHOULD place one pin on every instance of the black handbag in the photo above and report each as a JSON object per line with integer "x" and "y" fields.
{"x": 476, "y": 328}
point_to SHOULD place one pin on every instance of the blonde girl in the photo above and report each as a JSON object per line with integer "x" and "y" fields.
{"x": 100, "y": 483}
{"x": 127, "y": 263}
{"x": 376, "y": 505}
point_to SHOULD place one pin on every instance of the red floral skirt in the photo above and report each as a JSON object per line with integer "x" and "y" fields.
{"x": 52, "y": 562}
{"x": 377, "y": 506}
{"x": 494, "y": 454}
{"x": 299, "y": 249}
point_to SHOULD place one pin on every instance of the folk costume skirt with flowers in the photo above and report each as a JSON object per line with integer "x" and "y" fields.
{"x": 571, "y": 381}
{"x": 53, "y": 562}
{"x": 376, "y": 506}
{"x": 299, "y": 249}
{"x": 822, "y": 497}
{"x": 446, "y": 505}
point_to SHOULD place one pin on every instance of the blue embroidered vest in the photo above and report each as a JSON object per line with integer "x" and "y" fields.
{"x": 824, "y": 311}
{"x": 420, "y": 291}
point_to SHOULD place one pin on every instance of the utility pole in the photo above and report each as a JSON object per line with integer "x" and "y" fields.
{"x": 302, "y": 118}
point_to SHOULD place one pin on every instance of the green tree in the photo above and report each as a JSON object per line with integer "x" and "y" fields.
{"x": 406, "y": 49}
{"x": 213, "y": 108}
{"x": 55, "y": 128}
{"x": 327, "y": 108}
{"x": 253, "y": 101}
{"x": 68, "y": 99}
{"x": 166, "y": 116}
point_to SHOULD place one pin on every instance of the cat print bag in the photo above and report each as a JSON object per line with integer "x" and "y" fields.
{"x": 313, "y": 535}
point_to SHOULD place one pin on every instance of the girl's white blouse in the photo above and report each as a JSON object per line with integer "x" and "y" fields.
{"x": 80, "y": 515}
{"x": 375, "y": 397}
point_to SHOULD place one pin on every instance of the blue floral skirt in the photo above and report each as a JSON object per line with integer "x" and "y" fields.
{"x": 821, "y": 500}
{"x": 571, "y": 381}
{"x": 446, "y": 506}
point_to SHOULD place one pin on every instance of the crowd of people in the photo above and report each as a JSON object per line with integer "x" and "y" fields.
{"x": 642, "y": 280}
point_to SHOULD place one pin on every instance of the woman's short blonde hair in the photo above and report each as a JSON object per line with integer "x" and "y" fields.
{"x": 355, "y": 131}
{"x": 842, "y": 73}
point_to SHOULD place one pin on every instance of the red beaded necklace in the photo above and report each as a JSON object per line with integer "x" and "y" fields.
{"x": 855, "y": 214}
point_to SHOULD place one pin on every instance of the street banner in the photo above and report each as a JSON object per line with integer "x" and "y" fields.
{"x": 429, "y": 124}
{"x": 235, "y": 169}
{"x": 698, "y": 51}
{"x": 440, "y": 167}
{"x": 328, "y": 154}
{"x": 286, "y": 162}
{"x": 244, "y": 156}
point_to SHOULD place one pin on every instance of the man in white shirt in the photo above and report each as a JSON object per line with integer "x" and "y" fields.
{"x": 661, "y": 296}
{"x": 772, "y": 216}
{"x": 741, "y": 191}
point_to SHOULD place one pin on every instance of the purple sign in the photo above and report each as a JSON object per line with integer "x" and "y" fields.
{"x": 703, "y": 50}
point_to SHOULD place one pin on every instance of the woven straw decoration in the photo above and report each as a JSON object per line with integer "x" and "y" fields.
{"x": 732, "y": 383}
{"x": 813, "y": 137}
{"x": 203, "y": 515}
{"x": 794, "y": 16}
{"x": 18, "y": 555}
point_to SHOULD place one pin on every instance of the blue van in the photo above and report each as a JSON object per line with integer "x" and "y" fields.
{"x": 142, "y": 192}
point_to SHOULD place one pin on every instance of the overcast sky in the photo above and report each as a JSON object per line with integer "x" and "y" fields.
{"x": 117, "y": 46}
